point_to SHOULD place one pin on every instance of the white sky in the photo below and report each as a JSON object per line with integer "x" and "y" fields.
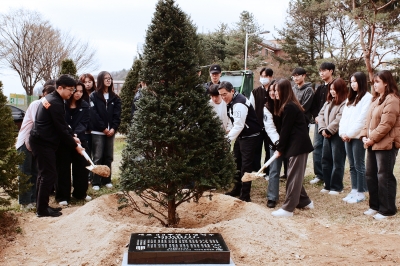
{"x": 115, "y": 28}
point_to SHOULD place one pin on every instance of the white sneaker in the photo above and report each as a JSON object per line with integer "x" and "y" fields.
{"x": 266, "y": 178}
{"x": 310, "y": 206}
{"x": 356, "y": 198}
{"x": 332, "y": 192}
{"x": 109, "y": 185}
{"x": 88, "y": 198}
{"x": 370, "y": 212}
{"x": 349, "y": 196}
{"x": 379, "y": 217}
{"x": 282, "y": 213}
{"x": 315, "y": 180}
{"x": 324, "y": 190}
{"x": 97, "y": 188}
{"x": 63, "y": 203}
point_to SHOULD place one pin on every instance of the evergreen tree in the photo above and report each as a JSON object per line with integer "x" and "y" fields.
{"x": 68, "y": 67}
{"x": 176, "y": 148}
{"x": 127, "y": 93}
{"x": 10, "y": 158}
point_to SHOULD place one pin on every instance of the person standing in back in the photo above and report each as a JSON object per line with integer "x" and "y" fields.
{"x": 326, "y": 71}
{"x": 258, "y": 98}
{"x": 303, "y": 91}
{"x": 215, "y": 75}
{"x": 105, "y": 117}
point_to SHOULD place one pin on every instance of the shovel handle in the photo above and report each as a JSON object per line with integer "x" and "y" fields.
{"x": 267, "y": 164}
{"x": 87, "y": 157}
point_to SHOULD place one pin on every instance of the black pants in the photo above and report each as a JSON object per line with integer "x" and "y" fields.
{"x": 47, "y": 174}
{"x": 244, "y": 155}
{"x": 66, "y": 156}
{"x": 262, "y": 143}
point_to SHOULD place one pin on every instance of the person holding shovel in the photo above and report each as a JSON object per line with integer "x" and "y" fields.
{"x": 47, "y": 132}
{"x": 294, "y": 144}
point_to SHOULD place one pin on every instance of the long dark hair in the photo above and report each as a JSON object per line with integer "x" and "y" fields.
{"x": 269, "y": 104}
{"x": 286, "y": 96}
{"x": 78, "y": 102}
{"x": 341, "y": 91}
{"x": 391, "y": 86}
{"x": 101, "y": 87}
{"x": 89, "y": 76}
{"x": 355, "y": 97}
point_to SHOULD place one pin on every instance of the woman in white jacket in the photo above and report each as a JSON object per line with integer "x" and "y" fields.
{"x": 350, "y": 126}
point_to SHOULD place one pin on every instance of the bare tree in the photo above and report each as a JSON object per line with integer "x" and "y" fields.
{"x": 378, "y": 25}
{"x": 34, "y": 49}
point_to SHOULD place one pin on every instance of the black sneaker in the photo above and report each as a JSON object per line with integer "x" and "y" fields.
{"x": 271, "y": 204}
{"x": 49, "y": 213}
{"x": 233, "y": 193}
{"x": 245, "y": 199}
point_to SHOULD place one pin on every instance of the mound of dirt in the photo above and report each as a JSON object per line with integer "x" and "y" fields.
{"x": 97, "y": 233}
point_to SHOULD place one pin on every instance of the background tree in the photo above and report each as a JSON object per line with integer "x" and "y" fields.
{"x": 10, "y": 158}
{"x": 68, "y": 67}
{"x": 175, "y": 141}
{"x": 378, "y": 23}
{"x": 34, "y": 49}
{"x": 127, "y": 93}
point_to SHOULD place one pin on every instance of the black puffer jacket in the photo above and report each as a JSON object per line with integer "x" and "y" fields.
{"x": 78, "y": 119}
{"x": 104, "y": 114}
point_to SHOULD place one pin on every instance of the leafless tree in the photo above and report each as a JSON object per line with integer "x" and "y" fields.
{"x": 35, "y": 49}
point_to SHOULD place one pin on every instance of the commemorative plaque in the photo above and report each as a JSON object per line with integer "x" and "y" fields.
{"x": 175, "y": 248}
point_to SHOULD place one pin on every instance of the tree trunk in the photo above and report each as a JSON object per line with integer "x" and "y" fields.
{"x": 172, "y": 219}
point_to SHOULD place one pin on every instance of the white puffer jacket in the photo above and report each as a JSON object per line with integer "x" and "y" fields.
{"x": 353, "y": 117}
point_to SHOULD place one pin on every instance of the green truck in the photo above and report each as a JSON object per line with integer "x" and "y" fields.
{"x": 242, "y": 80}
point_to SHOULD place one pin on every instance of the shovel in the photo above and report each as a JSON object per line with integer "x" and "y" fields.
{"x": 101, "y": 170}
{"x": 253, "y": 176}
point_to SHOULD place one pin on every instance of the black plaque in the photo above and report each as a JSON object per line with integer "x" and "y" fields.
{"x": 174, "y": 248}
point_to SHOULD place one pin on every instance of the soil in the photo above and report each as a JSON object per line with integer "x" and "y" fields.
{"x": 98, "y": 232}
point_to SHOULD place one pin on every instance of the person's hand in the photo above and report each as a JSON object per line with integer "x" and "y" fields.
{"x": 277, "y": 153}
{"x": 77, "y": 140}
{"x": 345, "y": 138}
{"x": 105, "y": 131}
{"x": 368, "y": 141}
{"x": 325, "y": 135}
{"x": 316, "y": 120}
{"x": 110, "y": 133}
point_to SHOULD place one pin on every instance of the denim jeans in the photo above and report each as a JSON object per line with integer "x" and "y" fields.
{"x": 103, "y": 153}
{"x": 28, "y": 167}
{"x": 381, "y": 180}
{"x": 317, "y": 153}
{"x": 356, "y": 155}
{"x": 274, "y": 173}
{"x": 333, "y": 160}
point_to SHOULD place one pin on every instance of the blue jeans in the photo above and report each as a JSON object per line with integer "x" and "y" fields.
{"x": 28, "y": 167}
{"x": 381, "y": 181}
{"x": 103, "y": 153}
{"x": 274, "y": 173}
{"x": 356, "y": 155}
{"x": 333, "y": 160}
{"x": 317, "y": 153}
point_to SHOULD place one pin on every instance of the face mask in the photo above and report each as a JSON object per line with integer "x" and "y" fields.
{"x": 264, "y": 81}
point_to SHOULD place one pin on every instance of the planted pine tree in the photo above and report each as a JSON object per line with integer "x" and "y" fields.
{"x": 176, "y": 148}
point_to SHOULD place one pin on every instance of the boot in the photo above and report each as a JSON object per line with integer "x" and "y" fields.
{"x": 235, "y": 191}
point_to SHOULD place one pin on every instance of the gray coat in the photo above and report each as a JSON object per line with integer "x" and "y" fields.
{"x": 329, "y": 117}
{"x": 305, "y": 95}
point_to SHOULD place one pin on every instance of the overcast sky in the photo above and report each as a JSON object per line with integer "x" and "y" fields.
{"x": 116, "y": 28}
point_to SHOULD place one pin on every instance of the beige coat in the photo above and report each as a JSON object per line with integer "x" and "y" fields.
{"x": 329, "y": 117}
{"x": 383, "y": 123}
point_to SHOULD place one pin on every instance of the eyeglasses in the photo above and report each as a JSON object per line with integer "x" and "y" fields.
{"x": 108, "y": 79}
{"x": 296, "y": 76}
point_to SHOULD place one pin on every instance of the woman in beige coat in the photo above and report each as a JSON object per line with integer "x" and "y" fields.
{"x": 381, "y": 136}
{"x": 333, "y": 150}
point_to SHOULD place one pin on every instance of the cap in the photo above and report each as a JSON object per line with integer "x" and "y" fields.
{"x": 215, "y": 69}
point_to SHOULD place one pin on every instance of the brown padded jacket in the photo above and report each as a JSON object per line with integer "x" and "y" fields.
{"x": 383, "y": 123}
